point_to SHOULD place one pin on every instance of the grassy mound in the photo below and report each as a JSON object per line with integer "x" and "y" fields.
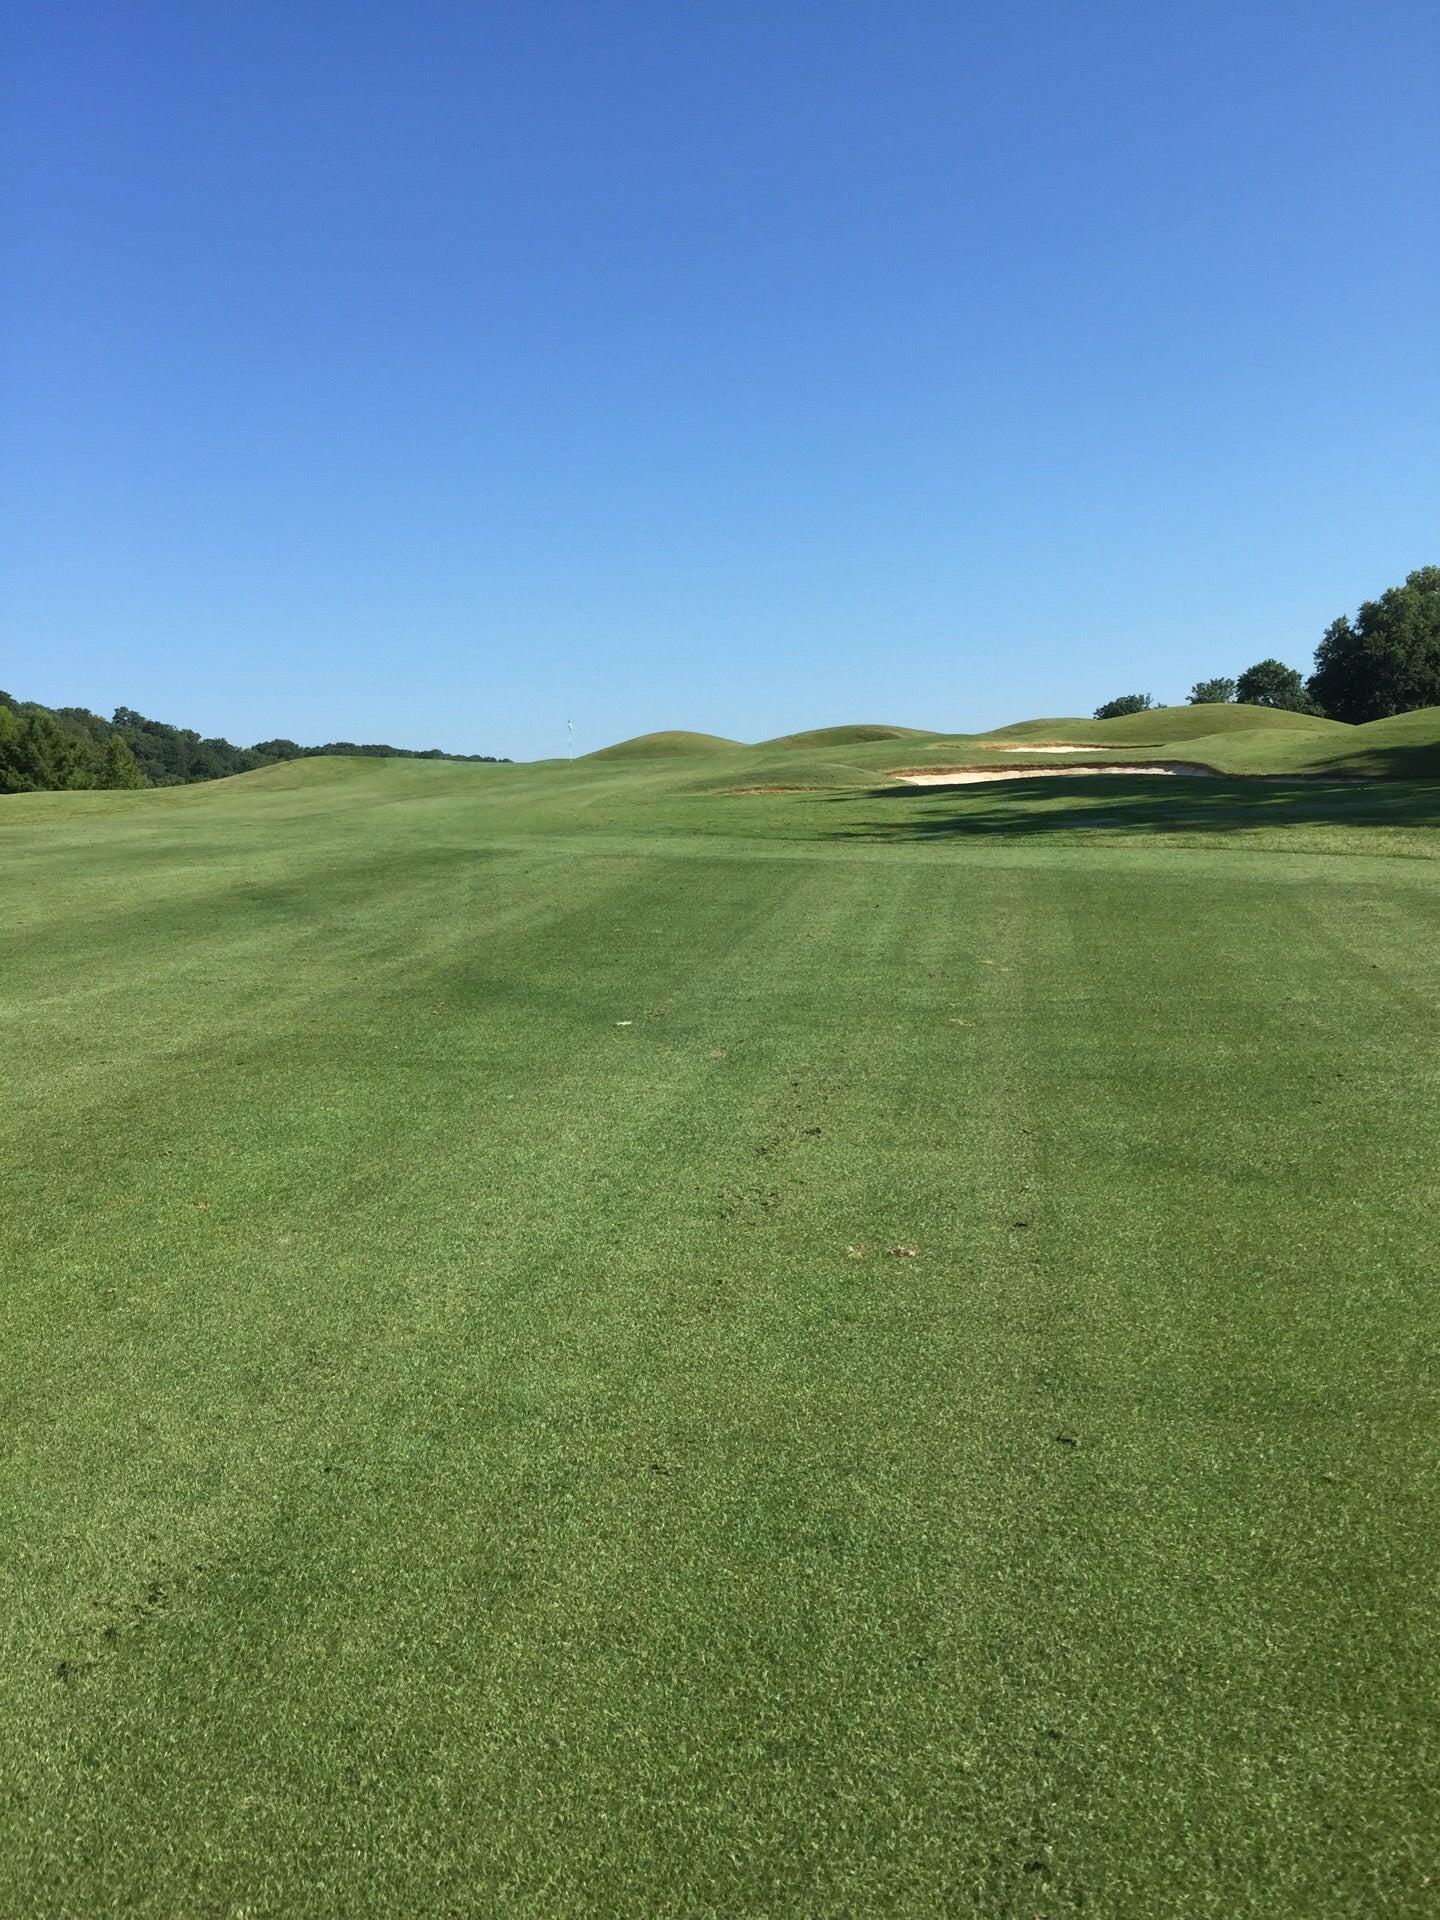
{"x": 798, "y": 770}
{"x": 659, "y": 746}
{"x": 323, "y": 770}
{"x": 1406, "y": 747}
{"x": 1159, "y": 725}
{"x": 856, "y": 736}
{"x": 1064, "y": 728}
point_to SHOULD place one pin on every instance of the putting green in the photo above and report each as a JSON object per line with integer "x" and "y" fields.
{"x": 474, "y": 1447}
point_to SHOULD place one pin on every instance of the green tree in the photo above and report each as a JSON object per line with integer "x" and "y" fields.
{"x": 44, "y": 747}
{"x": 43, "y": 756}
{"x": 13, "y": 776}
{"x": 1270, "y": 683}
{"x": 120, "y": 770}
{"x": 1125, "y": 703}
{"x": 1209, "y": 693}
{"x": 1388, "y": 660}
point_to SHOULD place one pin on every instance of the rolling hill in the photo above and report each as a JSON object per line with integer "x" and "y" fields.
{"x": 659, "y": 746}
{"x": 853, "y": 736}
{"x": 1162, "y": 724}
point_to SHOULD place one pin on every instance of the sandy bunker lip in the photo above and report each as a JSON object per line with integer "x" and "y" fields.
{"x": 973, "y": 776}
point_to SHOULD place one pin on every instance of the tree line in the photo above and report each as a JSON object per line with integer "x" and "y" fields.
{"x": 46, "y": 748}
{"x": 1384, "y": 661}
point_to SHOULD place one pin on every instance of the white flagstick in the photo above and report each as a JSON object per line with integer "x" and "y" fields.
{"x": 571, "y": 725}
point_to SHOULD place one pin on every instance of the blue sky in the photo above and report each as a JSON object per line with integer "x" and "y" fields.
{"x": 439, "y": 372}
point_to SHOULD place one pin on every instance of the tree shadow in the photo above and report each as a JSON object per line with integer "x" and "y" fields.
{"x": 1141, "y": 806}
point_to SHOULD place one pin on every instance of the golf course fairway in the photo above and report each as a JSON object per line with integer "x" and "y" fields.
{"x": 599, "y": 1338}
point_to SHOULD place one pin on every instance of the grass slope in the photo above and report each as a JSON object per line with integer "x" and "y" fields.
{"x": 1405, "y": 747}
{"x": 800, "y": 769}
{"x": 648, "y": 746}
{"x": 470, "y": 1450}
{"x": 845, "y": 736}
{"x": 1161, "y": 724}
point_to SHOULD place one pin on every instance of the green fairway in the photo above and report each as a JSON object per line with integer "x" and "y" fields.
{"x": 585, "y": 1339}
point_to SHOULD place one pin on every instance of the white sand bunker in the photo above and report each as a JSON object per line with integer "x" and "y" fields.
{"x": 972, "y": 776}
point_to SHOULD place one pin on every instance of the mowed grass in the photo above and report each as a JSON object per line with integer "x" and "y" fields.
{"x": 474, "y": 1447}
{"x": 1167, "y": 724}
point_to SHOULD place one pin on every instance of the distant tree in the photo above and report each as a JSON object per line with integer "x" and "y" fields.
{"x": 13, "y": 776}
{"x": 1270, "y": 683}
{"x": 1126, "y": 703}
{"x": 119, "y": 770}
{"x": 48, "y": 756}
{"x": 1388, "y": 660}
{"x": 1211, "y": 693}
{"x": 36, "y": 753}
{"x": 85, "y": 725}
{"x": 164, "y": 753}
{"x": 44, "y": 747}
{"x": 214, "y": 759}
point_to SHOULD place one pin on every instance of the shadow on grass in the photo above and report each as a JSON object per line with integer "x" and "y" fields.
{"x": 1415, "y": 760}
{"x": 1113, "y": 804}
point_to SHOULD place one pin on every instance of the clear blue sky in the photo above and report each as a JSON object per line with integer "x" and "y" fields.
{"x": 440, "y": 372}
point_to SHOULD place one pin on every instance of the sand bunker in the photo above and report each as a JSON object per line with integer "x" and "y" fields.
{"x": 972, "y": 776}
